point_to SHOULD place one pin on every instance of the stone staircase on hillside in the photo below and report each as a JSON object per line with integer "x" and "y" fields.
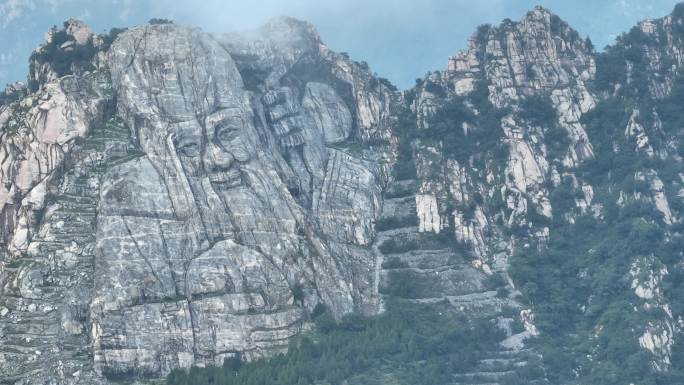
{"x": 430, "y": 268}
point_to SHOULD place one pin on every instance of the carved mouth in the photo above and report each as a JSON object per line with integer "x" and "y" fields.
{"x": 226, "y": 179}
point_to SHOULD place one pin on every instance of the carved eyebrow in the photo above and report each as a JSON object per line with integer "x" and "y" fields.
{"x": 186, "y": 136}
{"x": 232, "y": 122}
{"x": 227, "y": 133}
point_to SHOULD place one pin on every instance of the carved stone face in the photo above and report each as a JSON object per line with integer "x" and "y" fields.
{"x": 216, "y": 150}
{"x": 186, "y": 101}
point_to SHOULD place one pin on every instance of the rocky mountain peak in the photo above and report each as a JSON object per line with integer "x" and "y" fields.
{"x": 291, "y": 29}
{"x": 75, "y": 30}
{"x": 78, "y": 30}
{"x": 654, "y": 47}
{"x": 540, "y": 13}
{"x": 555, "y": 100}
{"x": 67, "y": 50}
{"x": 532, "y": 53}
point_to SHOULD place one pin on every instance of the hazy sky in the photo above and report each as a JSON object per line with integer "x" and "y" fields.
{"x": 400, "y": 39}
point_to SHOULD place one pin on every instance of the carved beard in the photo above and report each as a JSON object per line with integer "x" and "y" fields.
{"x": 257, "y": 204}
{"x": 199, "y": 177}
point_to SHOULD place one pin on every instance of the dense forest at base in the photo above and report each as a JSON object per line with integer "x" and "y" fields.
{"x": 408, "y": 344}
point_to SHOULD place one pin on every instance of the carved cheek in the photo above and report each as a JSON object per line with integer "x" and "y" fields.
{"x": 238, "y": 148}
{"x": 192, "y": 166}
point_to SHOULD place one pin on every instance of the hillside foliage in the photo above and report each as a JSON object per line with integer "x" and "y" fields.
{"x": 411, "y": 343}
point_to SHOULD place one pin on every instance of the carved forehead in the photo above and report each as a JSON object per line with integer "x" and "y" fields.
{"x": 227, "y": 116}
{"x": 181, "y": 73}
{"x": 231, "y": 118}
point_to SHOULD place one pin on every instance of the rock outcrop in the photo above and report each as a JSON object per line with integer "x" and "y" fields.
{"x": 511, "y": 63}
{"x": 171, "y": 198}
{"x": 169, "y": 208}
{"x": 506, "y": 198}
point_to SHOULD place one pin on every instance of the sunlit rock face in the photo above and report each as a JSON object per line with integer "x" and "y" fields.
{"x": 513, "y": 61}
{"x": 212, "y": 222}
{"x": 647, "y": 275}
{"x": 196, "y": 195}
{"x": 179, "y": 210}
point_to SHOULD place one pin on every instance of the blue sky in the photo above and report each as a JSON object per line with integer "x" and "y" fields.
{"x": 400, "y": 39}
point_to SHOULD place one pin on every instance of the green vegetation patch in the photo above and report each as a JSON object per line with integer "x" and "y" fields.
{"x": 62, "y": 60}
{"x": 410, "y": 343}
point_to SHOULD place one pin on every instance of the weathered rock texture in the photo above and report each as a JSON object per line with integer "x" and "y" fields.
{"x": 173, "y": 205}
{"x": 500, "y": 202}
{"x": 178, "y": 198}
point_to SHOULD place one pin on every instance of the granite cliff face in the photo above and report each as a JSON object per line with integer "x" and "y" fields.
{"x": 171, "y": 198}
{"x": 510, "y": 63}
{"x": 159, "y": 211}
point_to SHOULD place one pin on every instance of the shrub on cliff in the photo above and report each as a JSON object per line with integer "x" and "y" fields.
{"x": 63, "y": 59}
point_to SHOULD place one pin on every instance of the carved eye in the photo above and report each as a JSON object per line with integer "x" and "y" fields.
{"x": 189, "y": 149}
{"x": 226, "y": 132}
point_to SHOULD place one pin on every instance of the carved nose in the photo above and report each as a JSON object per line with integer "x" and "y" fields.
{"x": 216, "y": 159}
